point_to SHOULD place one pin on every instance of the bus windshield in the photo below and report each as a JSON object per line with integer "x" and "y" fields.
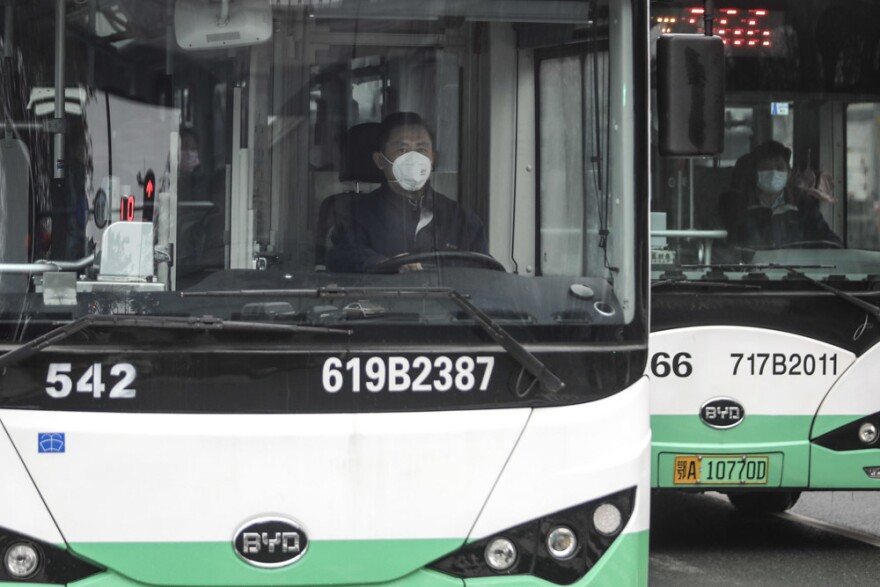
{"x": 795, "y": 192}
{"x": 324, "y": 292}
{"x": 314, "y": 163}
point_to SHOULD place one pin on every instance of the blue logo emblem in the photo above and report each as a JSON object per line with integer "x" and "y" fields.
{"x": 50, "y": 442}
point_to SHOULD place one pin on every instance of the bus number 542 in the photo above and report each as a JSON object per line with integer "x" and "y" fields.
{"x": 59, "y": 380}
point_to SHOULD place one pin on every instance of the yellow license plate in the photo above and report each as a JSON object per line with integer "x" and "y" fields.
{"x": 721, "y": 470}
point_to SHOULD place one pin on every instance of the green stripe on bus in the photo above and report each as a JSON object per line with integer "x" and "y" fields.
{"x": 758, "y": 434}
{"x": 804, "y": 464}
{"x": 625, "y": 564}
{"x": 215, "y": 563}
{"x": 757, "y": 429}
{"x": 419, "y": 578}
{"x": 832, "y": 469}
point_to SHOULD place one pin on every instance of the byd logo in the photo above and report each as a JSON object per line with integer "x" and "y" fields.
{"x": 253, "y": 542}
{"x": 270, "y": 542}
{"x": 722, "y": 412}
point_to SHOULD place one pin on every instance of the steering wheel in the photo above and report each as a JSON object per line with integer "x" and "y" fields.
{"x": 812, "y": 245}
{"x": 440, "y": 258}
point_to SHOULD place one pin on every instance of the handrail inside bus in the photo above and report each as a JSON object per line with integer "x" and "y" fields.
{"x": 47, "y": 266}
{"x": 705, "y": 236}
{"x": 690, "y": 233}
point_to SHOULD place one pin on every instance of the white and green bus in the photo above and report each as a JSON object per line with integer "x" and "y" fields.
{"x": 765, "y": 321}
{"x": 327, "y": 292}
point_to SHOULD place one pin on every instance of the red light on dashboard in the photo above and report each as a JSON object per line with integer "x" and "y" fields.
{"x": 697, "y": 11}
{"x": 761, "y": 12}
{"x": 730, "y": 11}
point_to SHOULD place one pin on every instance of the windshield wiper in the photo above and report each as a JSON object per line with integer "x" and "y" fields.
{"x": 529, "y": 362}
{"x": 871, "y": 309}
{"x": 64, "y": 331}
{"x": 703, "y": 282}
{"x": 743, "y": 267}
{"x": 713, "y": 281}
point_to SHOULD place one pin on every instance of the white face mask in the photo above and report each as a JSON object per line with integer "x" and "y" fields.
{"x": 772, "y": 182}
{"x": 411, "y": 170}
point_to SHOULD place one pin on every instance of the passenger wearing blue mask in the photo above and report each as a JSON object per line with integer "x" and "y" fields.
{"x": 404, "y": 215}
{"x": 767, "y": 211}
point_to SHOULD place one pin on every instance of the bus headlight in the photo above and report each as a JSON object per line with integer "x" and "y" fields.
{"x": 860, "y": 434}
{"x": 500, "y": 554}
{"x": 21, "y": 560}
{"x": 559, "y": 548}
{"x": 607, "y": 519}
{"x": 562, "y": 542}
{"x": 872, "y": 472}
{"x": 868, "y": 433}
{"x": 29, "y": 560}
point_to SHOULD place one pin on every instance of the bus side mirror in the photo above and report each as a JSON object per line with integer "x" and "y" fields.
{"x": 690, "y": 95}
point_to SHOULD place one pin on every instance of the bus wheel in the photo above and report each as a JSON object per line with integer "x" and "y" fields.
{"x": 763, "y": 502}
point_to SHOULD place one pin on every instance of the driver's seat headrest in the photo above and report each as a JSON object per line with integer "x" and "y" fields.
{"x": 356, "y": 150}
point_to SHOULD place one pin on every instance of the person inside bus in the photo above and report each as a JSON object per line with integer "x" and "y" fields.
{"x": 192, "y": 179}
{"x": 193, "y": 200}
{"x": 405, "y": 215}
{"x": 77, "y": 203}
{"x": 765, "y": 210}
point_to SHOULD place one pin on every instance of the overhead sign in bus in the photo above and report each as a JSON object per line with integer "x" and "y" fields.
{"x": 742, "y": 30}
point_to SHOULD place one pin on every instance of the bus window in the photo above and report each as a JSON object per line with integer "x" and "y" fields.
{"x": 573, "y": 206}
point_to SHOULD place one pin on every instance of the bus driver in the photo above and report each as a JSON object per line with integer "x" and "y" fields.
{"x": 404, "y": 215}
{"x": 766, "y": 211}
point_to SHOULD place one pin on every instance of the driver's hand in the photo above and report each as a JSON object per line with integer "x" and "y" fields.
{"x": 410, "y": 267}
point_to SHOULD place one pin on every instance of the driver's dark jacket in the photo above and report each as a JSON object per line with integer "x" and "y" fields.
{"x": 793, "y": 218}
{"x": 383, "y": 224}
